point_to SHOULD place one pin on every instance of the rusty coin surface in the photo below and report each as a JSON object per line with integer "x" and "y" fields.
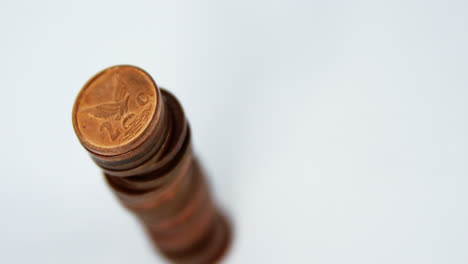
{"x": 114, "y": 108}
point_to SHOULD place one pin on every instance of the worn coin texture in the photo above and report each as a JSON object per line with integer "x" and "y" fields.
{"x": 114, "y": 108}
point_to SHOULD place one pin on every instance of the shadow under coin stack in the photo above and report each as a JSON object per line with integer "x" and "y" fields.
{"x": 138, "y": 135}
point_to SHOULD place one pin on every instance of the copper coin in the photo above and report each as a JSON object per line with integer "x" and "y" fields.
{"x": 114, "y": 109}
{"x": 140, "y": 138}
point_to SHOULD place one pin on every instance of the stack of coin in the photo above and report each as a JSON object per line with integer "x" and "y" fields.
{"x": 139, "y": 136}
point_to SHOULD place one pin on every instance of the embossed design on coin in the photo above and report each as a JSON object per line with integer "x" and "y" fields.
{"x": 114, "y": 108}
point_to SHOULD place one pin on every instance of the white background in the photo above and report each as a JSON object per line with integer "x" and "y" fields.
{"x": 332, "y": 131}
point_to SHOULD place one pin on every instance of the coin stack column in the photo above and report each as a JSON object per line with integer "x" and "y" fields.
{"x": 138, "y": 135}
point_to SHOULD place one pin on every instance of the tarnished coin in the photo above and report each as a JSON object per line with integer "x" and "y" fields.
{"x": 114, "y": 109}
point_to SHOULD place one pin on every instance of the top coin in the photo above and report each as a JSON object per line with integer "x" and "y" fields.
{"x": 113, "y": 110}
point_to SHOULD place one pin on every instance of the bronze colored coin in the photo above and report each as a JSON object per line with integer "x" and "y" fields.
{"x": 114, "y": 109}
{"x": 139, "y": 136}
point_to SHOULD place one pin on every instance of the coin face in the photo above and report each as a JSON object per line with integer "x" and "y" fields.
{"x": 114, "y": 108}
